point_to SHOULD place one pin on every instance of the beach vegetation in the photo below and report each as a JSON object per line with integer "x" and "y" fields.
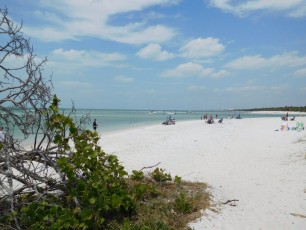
{"x": 284, "y": 108}
{"x": 94, "y": 191}
{"x": 160, "y": 175}
{"x": 64, "y": 179}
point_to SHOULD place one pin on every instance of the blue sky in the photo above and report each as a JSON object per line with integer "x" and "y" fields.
{"x": 170, "y": 54}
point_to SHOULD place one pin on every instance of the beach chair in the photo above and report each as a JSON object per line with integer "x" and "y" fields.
{"x": 220, "y": 121}
{"x": 292, "y": 119}
{"x": 299, "y": 126}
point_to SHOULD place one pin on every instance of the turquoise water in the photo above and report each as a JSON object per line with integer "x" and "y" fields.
{"x": 114, "y": 120}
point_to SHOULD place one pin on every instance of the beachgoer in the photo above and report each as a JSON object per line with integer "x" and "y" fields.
{"x": 284, "y": 126}
{"x": 95, "y": 125}
{"x": 2, "y": 136}
{"x": 287, "y": 115}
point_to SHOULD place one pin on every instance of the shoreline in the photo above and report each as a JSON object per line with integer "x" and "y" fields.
{"x": 242, "y": 159}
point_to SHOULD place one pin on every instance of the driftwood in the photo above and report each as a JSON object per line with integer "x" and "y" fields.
{"x": 231, "y": 202}
{"x": 298, "y": 215}
{"x": 149, "y": 167}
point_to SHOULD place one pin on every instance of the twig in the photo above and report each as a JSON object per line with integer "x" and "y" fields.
{"x": 148, "y": 167}
{"x": 230, "y": 202}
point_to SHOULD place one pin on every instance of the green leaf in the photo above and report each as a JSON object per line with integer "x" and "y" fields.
{"x": 116, "y": 201}
{"x": 93, "y": 154}
{"x": 95, "y": 185}
{"x": 92, "y": 200}
{"x": 85, "y": 214}
{"x": 62, "y": 161}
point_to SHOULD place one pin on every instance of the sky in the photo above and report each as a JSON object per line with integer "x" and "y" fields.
{"x": 169, "y": 54}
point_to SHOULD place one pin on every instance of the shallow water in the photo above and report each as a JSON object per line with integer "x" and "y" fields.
{"x": 115, "y": 120}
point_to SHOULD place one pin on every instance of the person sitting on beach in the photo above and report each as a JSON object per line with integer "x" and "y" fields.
{"x": 284, "y": 127}
{"x": 210, "y": 120}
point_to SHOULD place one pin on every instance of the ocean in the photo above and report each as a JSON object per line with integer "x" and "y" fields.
{"x": 114, "y": 120}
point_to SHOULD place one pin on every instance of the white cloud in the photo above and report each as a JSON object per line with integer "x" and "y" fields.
{"x": 300, "y": 73}
{"x": 189, "y": 69}
{"x": 124, "y": 79}
{"x": 299, "y": 12}
{"x": 275, "y": 62}
{"x": 155, "y": 52}
{"x": 244, "y": 88}
{"x": 65, "y": 19}
{"x": 85, "y": 58}
{"x": 248, "y": 88}
{"x": 247, "y": 62}
{"x": 202, "y": 47}
{"x": 220, "y": 74}
{"x": 292, "y": 8}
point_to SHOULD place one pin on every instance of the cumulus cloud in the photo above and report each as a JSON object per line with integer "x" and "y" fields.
{"x": 124, "y": 79}
{"x": 189, "y": 69}
{"x": 275, "y": 62}
{"x": 86, "y": 58}
{"x": 155, "y": 52}
{"x": 202, "y": 48}
{"x": 292, "y": 8}
{"x": 65, "y": 19}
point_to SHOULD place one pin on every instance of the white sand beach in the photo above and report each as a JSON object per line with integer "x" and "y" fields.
{"x": 246, "y": 160}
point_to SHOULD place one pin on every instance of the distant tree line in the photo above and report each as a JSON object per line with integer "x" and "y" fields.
{"x": 286, "y": 108}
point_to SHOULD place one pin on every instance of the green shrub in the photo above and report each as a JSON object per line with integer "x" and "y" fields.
{"x": 137, "y": 175}
{"x": 182, "y": 204}
{"x": 95, "y": 191}
{"x": 159, "y": 175}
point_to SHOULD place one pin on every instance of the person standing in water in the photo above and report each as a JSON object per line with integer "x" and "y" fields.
{"x": 95, "y": 125}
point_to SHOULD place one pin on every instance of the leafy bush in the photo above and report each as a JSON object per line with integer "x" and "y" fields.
{"x": 181, "y": 203}
{"x": 159, "y": 175}
{"x": 93, "y": 190}
{"x": 137, "y": 175}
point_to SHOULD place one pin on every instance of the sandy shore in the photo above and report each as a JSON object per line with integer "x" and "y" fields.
{"x": 245, "y": 159}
